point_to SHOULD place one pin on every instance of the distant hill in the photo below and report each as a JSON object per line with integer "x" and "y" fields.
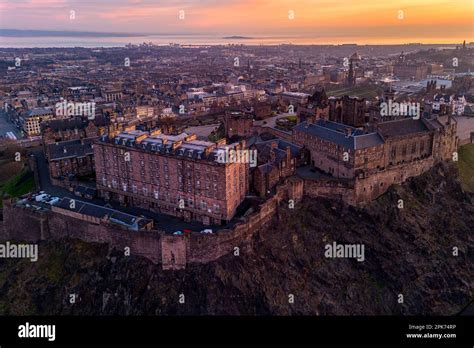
{"x": 236, "y": 37}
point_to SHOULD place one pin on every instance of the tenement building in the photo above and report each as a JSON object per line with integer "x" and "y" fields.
{"x": 277, "y": 159}
{"x": 32, "y": 121}
{"x": 72, "y": 158}
{"x": 374, "y": 160}
{"x": 172, "y": 174}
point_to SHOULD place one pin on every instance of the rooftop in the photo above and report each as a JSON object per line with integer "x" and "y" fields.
{"x": 97, "y": 211}
{"x": 402, "y": 127}
{"x": 183, "y": 144}
{"x": 341, "y": 134}
{"x": 70, "y": 148}
{"x": 40, "y": 112}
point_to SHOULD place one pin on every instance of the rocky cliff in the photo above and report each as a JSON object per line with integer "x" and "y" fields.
{"x": 283, "y": 270}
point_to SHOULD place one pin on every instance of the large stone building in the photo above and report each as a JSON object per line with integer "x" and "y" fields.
{"x": 72, "y": 158}
{"x": 389, "y": 155}
{"x": 277, "y": 159}
{"x": 406, "y": 70}
{"x": 351, "y": 74}
{"x": 74, "y": 128}
{"x": 176, "y": 175}
{"x": 32, "y": 120}
{"x": 238, "y": 123}
{"x": 348, "y": 110}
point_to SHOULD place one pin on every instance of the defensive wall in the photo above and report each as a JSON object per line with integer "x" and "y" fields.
{"x": 173, "y": 252}
{"x": 365, "y": 189}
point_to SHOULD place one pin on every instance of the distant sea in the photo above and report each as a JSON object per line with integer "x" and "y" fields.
{"x": 118, "y": 41}
{"x": 55, "y": 41}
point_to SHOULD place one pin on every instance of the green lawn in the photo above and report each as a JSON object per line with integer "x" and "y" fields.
{"x": 18, "y": 185}
{"x": 466, "y": 166}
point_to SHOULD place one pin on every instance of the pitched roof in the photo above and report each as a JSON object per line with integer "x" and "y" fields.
{"x": 70, "y": 148}
{"x": 399, "y": 128}
{"x": 341, "y": 134}
{"x": 112, "y": 215}
{"x": 40, "y": 111}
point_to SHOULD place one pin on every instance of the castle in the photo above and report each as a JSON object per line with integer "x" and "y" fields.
{"x": 374, "y": 160}
{"x": 181, "y": 176}
{"x": 346, "y": 109}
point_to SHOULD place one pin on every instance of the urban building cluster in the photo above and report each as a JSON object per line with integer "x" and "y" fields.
{"x": 196, "y": 132}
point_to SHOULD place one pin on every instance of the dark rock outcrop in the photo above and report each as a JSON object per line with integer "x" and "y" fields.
{"x": 408, "y": 251}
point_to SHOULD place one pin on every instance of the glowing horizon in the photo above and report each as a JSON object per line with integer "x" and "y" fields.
{"x": 318, "y": 21}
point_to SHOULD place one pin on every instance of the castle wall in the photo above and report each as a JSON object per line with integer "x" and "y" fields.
{"x": 142, "y": 243}
{"x": 23, "y": 223}
{"x": 330, "y": 189}
{"x": 367, "y": 189}
{"x": 363, "y": 190}
{"x": 173, "y": 252}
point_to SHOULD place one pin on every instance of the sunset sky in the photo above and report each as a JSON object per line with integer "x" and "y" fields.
{"x": 338, "y": 21}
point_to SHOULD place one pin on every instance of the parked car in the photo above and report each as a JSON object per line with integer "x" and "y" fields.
{"x": 53, "y": 200}
{"x": 207, "y": 230}
{"x": 178, "y": 233}
{"x": 40, "y": 197}
{"x": 46, "y": 198}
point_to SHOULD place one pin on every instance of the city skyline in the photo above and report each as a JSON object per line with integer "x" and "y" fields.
{"x": 307, "y": 21}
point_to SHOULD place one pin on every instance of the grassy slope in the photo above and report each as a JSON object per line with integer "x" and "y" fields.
{"x": 18, "y": 185}
{"x": 466, "y": 166}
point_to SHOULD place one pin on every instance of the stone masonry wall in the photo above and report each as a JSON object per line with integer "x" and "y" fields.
{"x": 173, "y": 252}
{"x": 364, "y": 190}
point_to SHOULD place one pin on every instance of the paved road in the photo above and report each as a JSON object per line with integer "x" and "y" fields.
{"x": 202, "y": 131}
{"x": 465, "y": 127}
{"x": 271, "y": 121}
{"x": 6, "y": 126}
{"x": 164, "y": 222}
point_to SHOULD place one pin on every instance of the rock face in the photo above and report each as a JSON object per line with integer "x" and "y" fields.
{"x": 408, "y": 251}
